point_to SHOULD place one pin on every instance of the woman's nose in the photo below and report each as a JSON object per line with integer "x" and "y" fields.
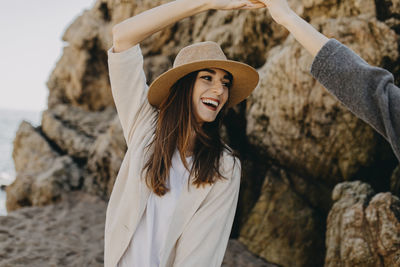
{"x": 218, "y": 88}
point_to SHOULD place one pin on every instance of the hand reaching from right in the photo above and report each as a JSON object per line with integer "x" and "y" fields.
{"x": 279, "y": 10}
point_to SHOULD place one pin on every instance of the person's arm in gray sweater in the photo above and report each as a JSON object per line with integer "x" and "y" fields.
{"x": 367, "y": 91}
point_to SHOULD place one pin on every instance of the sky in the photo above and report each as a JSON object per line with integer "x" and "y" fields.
{"x": 30, "y": 45}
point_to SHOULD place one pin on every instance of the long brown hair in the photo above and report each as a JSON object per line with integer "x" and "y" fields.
{"x": 174, "y": 125}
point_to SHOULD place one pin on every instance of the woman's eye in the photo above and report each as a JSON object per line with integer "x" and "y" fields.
{"x": 227, "y": 84}
{"x": 206, "y": 77}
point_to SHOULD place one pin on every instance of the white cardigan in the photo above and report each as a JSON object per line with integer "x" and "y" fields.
{"x": 203, "y": 218}
{"x": 146, "y": 244}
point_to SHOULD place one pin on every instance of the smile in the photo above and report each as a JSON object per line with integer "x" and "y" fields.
{"x": 210, "y": 103}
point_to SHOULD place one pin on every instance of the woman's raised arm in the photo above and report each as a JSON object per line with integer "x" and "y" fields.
{"x": 135, "y": 29}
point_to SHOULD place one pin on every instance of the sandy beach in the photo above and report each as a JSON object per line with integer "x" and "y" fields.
{"x": 69, "y": 233}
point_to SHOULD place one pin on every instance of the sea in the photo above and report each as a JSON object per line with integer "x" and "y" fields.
{"x": 9, "y": 122}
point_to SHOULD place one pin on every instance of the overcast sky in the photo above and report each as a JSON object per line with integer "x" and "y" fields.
{"x": 30, "y": 43}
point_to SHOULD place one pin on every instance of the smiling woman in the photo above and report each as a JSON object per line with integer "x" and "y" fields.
{"x": 172, "y": 129}
{"x": 210, "y": 93}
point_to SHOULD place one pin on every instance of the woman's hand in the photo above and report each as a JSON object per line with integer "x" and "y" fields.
{"x": 234, "y": 4}
{"x": 308, "y": 37}
{"x": 279, "y": 10}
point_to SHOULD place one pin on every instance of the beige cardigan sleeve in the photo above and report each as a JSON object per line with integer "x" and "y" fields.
{"x": 204, "y": 240}
{"x": 129, "y": 89}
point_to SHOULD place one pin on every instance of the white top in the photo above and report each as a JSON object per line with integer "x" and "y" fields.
{"x": 149, "y": 238}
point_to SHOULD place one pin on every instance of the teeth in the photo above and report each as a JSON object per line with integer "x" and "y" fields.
{"x": 211, "y": 102}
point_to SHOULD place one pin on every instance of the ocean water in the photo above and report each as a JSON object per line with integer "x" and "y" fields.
{"x": 9, "y": 123}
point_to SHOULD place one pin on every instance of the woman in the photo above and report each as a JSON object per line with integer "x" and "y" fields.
{"x": 172, "y": 132}
{"x": 368, "y": 91}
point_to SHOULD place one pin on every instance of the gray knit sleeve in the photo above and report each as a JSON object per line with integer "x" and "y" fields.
{"x": 368, "y": 91}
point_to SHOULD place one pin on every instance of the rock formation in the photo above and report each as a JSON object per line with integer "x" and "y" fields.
{"x": 363, "y": 229}
{"x": 43, "y": 174}
{"x": 237, "y": 255}
{"x": 282, "y": 223}
{"x": 296, "y": 141}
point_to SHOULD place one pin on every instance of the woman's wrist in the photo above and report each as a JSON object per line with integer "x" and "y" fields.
{"x": 199, "y": 6}
{"x": 311, "y": 39}
{"x": 289, "y": 19}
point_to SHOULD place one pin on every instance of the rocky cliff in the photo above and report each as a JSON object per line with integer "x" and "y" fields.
{"x": 301, "y": 149}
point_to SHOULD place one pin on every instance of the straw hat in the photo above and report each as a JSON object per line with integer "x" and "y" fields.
{"x": 201, "y": 56}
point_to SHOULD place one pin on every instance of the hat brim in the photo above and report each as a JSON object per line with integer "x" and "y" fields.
{"x": 245, "y": 79}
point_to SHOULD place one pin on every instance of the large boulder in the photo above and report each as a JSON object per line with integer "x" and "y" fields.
{"x": 237, "y": 255}
{"x": 43, "y": 175}
{"x": 75, "y": 130}
{"x": 104, "y": 159}
{"x": 283, "y": 227}
{"x": 363, "y": 229}
{"x": 80, "y": 77}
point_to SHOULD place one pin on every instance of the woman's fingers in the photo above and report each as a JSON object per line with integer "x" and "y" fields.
{"x": 237, "y": 4}
{"x": 254, "y": 6}
{"x": 240, "y": 4}
{"x": 258, "y": 1}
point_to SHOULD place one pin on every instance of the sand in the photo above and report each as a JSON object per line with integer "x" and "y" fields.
{"x": 69, "y": 233}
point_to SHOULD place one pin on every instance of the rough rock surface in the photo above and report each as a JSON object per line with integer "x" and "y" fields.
{"x": 105, "y": 158}
{"x": 43, "y": 175}
{"x": 297, "y": 142}
{"x": 74, "y": 130}
{"x": 73, "y": 149}
{"x": 80, "y": 77}
{"x": 282, "y": 223}
{"x": 363, "y": 229}
{"x": 237, "y": 255}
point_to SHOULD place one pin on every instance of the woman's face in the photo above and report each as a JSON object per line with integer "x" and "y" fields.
{"x": 210, "y": 93}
